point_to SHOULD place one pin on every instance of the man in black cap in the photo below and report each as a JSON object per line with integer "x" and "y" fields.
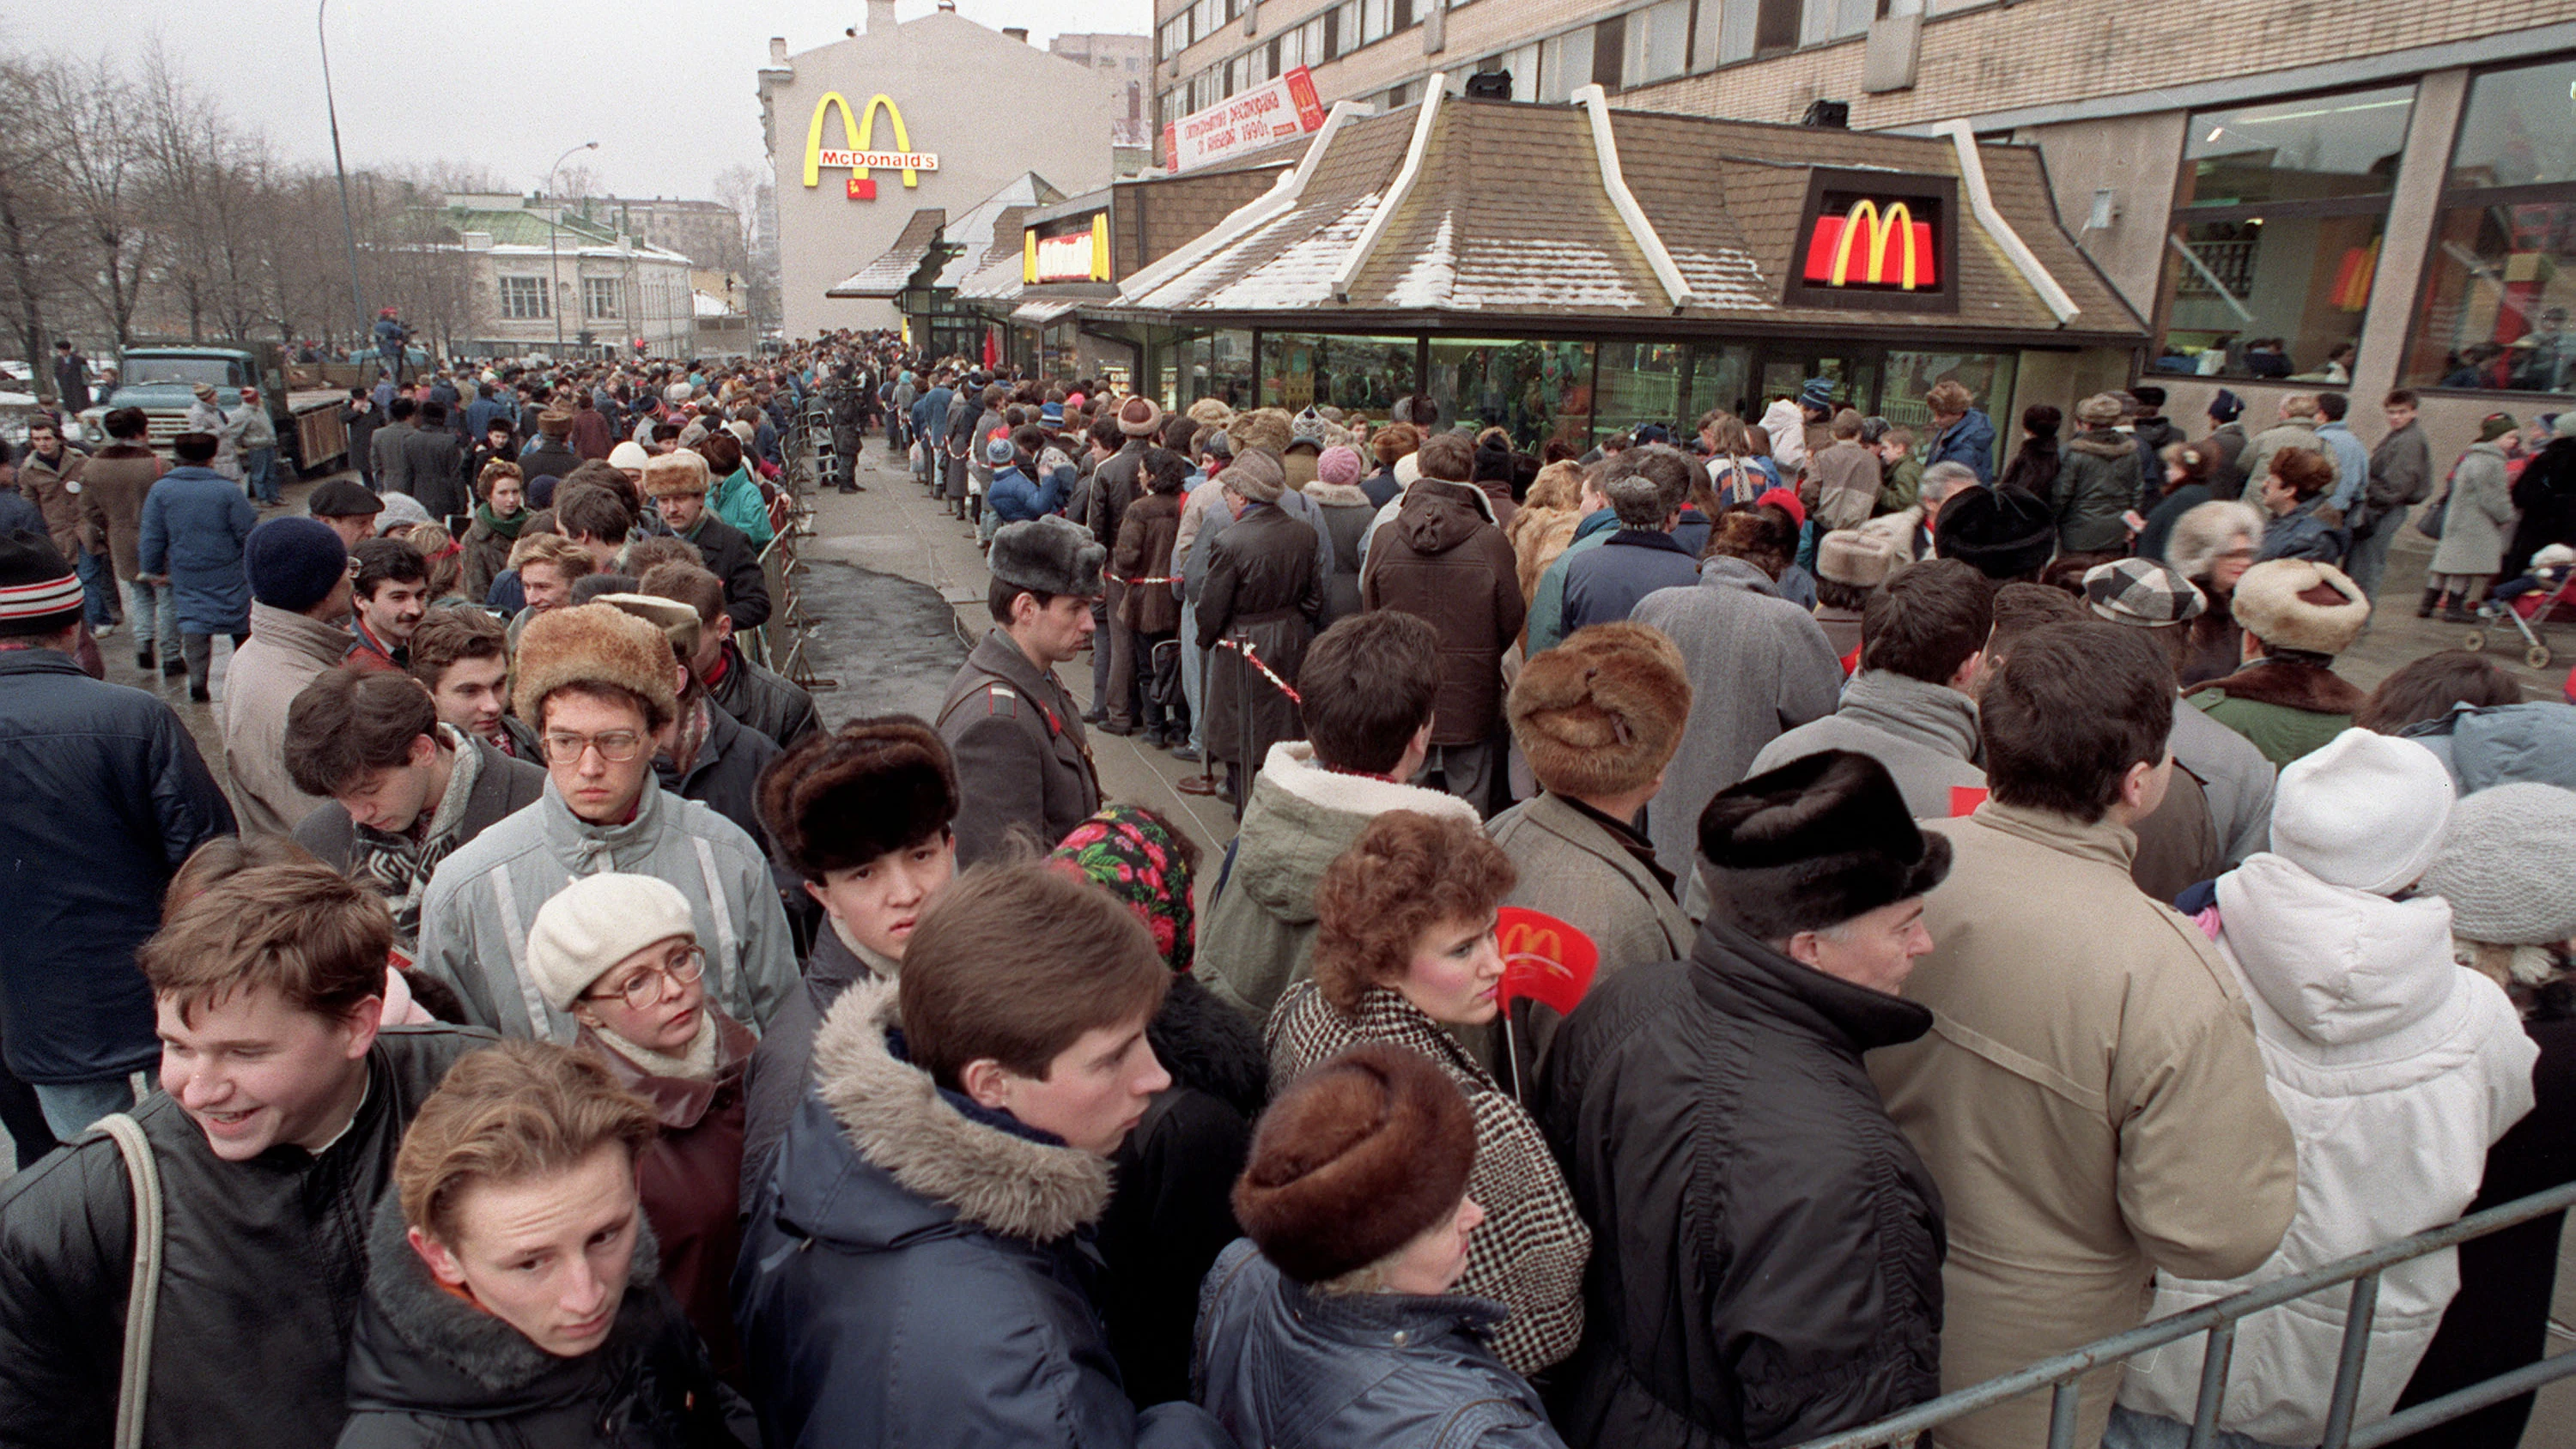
{"x": 1022, "y": 758}
{"x": 107, "y": 795}
{"x": 1720, "y": 1133}
{"x": 2007, "y": 534}
{"x": 349, "y": 508}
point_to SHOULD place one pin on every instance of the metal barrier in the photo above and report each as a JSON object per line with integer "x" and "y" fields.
{"x": 780, "y": 644}
{"x": 2060, "y": 1375}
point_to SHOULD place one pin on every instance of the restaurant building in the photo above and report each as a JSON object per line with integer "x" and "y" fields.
{"x": 1572, "y": 270}
{"x": 2363, "y": 195}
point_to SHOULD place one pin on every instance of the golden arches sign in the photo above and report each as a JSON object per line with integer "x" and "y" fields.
{"x": 1871, "y": 238}
{"x": 857, "y": 135}
{"x": 1863, "y": 220}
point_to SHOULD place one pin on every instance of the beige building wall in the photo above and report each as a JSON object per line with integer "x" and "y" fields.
{"x": 989, "y": 106}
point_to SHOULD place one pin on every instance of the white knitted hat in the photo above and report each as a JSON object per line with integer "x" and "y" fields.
{"x": 2508, "y": 866}
{"x": 2365, "y": 811}
{"x": 594, "y": 923}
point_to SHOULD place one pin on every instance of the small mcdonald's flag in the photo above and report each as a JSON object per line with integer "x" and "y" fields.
{"x": 1544, "y": 959}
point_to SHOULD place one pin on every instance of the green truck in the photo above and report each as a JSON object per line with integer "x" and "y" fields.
{"x": 162, "y": 381}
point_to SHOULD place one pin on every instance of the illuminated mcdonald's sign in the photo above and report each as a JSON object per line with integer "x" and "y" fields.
{"x": 1876, "y": 240}
{"x": 859, "y": 159}
{"x": 1871, "y": 248}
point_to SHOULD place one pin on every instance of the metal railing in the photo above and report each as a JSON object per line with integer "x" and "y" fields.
{"x": 781, "y": 643}
{"x": 2061, "y": 1375}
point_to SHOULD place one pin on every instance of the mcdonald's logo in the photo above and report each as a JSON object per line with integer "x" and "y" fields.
{"x": 859, "y": 158}
{"x": 1858, "y": 247}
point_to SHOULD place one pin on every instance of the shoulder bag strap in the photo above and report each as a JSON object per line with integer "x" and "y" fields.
{"x": 143, "y": 1297}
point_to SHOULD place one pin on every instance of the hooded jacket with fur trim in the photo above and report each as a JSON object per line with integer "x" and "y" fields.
{"x": 1258, "y": 939}
{"x": 912, "y": 1272}
{"x": 2396, "y": 1070}
{"x": 429, "y": 1370}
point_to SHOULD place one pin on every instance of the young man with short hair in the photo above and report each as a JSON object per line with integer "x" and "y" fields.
{"x": 1368, "y": 683}
{"x": 862, "y": 816}
{"x": 756, "y": 697}
{"x": 388, "y": 595}
{"x": 677, "y": 483}
{"x": 596, "y": 519}
{"x": 300, "y": 593}
{"x": 1913, "y": 705}
{"x": 1843, "y": 477}
{"x": 106, "y": 796}
{"x": 599, "y": 684}
{"x": 462, "y": 657}
{"x": 2401, "y": 475}
{"x": 548, "y": 565}
{"x": 2095, "y": 1073}
{"x": 274, "y": 1132}
{"x": 915, "y": 1268}
{"x": 1022, "y": 761}
{"x": 403, "y": 790}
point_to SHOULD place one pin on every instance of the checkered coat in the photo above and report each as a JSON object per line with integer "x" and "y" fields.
{"x": 1529, "y": 1255}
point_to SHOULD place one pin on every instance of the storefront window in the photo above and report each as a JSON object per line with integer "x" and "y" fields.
{"x": 1671, "y": 383}
{"x": 2276, "y": 235}
{"x": 1355, "y": 374}
{"x": 1988, "y": 377}
{"x": 1213, "y": 364}
{"x": 1534, "y": 390}
{"x": 2501, "y": 277}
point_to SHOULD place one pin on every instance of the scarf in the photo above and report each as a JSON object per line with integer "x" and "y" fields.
{"x": 497, "y": 525}
{"x": 690, "y": 737}
{"x": 696, "y": 1064}
{"x": 397, "y": 866}
{"x": 880, "y": 965}
{"x": 1132, "y": 852}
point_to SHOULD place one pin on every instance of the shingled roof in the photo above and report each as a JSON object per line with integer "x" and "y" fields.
{"x": 892, "y": 271}
{"x": 1511, "y": 214}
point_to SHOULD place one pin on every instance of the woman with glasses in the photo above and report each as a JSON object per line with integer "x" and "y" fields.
{"x": 620, "y": 955}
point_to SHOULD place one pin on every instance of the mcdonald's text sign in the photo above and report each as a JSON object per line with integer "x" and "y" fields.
{"x": 1876, "y": 241}
{"x": 858, "y": 157}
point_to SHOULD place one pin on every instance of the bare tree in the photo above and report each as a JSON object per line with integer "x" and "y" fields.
{"x": 83, "y": 113}
{"x": 32, "y": 223}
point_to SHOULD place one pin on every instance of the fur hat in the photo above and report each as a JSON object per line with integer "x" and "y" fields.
{"x": 2101, "y": 410}
{"x": 39, "y": 593}
{"x": 1208, "y": 412}
{"x": 2204, "y": 532}
{"x": 1049, "y": 555}
{"x": 2298, "y": 603}
{"x": 2003, "y": 533}
{"x": 1139, "y": 417}
{"x": 1340, "y": 464}
{"x": 1813, "y": 844}
{"x": 2508, "y": 866}
{"x": 1358, "y": 1157}
{"x": 1257, "y": 474}
{"x": 1260, "y": 428}
{"x": 2365, "y": 811}
{"x": 1849, "y": 556}
{"x": 554, "y": 424}
{"x": 294, "y": 563}
{"x": 675, "y": 474}
{"x": 843, "y": 799}
{"x": 592, "y": 643}
{"x": 1603, "y": 711}
{"x": 675, "y": 621}
{"x": 629, "y": 454}
{"x": 585, "y": 929}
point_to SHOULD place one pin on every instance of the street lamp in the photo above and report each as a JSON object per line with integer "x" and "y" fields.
{"x": 554, "y": 260}
{"x": 348, "y": 231}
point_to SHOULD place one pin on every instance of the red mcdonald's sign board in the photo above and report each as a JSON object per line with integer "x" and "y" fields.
{"x": 1872, "y": 245}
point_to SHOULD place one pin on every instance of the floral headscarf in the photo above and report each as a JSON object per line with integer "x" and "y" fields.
{"x": 1132, "y": 852}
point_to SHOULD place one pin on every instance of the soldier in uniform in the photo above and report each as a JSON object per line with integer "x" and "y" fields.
{"x": 1022, "y": 760}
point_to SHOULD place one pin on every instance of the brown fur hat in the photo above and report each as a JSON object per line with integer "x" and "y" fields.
{"x": 673, "y": 474}
{"x": 594, "y": 644}
{"x": 1357, "y": 1158}
{"x": 2297, "y": 603}
{"x": 843, "y": 799}
{"x": 1602, "y": 712}
{"x": 1268, "y": 428}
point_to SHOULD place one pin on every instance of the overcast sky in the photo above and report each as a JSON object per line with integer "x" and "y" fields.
{"x": 665, "y": 86}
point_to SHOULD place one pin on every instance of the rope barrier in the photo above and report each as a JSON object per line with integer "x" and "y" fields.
{"x": 1252, "y": 656}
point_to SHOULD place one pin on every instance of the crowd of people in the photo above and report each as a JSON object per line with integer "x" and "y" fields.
{"x": 1982, "y": 920}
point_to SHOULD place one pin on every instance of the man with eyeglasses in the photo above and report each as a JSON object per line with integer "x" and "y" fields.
{"x": 598, "y": 684}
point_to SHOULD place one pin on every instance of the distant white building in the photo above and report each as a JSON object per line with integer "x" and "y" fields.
{"x": 577, "y": 288}
{"x": 1124, "y": 66}
{"x": 935, "y": 114}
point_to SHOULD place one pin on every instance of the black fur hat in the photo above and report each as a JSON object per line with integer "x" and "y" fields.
{"x": 1813, "y": 844}
{"x": 843, "y": 799}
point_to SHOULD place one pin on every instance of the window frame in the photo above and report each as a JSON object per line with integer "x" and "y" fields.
{"x": 515, "y": 291}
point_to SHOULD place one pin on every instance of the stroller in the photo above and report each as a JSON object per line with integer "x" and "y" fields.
{"x": 2528, "y": 602}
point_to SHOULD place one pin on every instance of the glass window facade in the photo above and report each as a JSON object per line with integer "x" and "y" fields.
{"x": 1988, "y": 377}
{"x": 1533, "y": 389}
{"x": 2276, "y": 235}
{"x": 1355, "y": 374}
{"x": 2500, "y": 279}
{"x": 1672, "y": 383}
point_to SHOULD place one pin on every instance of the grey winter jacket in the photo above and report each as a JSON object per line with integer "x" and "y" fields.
{"x": 1925, "y": 734}
{"x": 2233, "y": 774}
{"x": 2097, "y": 480}
{"x": 1759, "y": 665}
{"x": 1287, "y": 1368}
{"x": 2480, "y": 516}
{"x": 474, "y": 917}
